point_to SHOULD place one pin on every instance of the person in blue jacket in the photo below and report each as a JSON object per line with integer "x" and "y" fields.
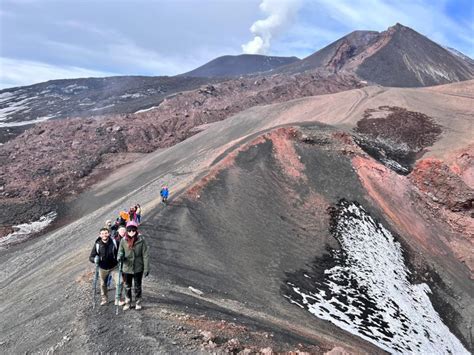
{"x": 164, "y": 193}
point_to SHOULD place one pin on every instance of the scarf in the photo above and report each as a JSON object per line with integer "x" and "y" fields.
{"x": 131, "y": 241}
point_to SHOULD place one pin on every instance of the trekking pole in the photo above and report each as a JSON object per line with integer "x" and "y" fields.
{"x": 118, "y": 289}
{"x": 96, "y": 276}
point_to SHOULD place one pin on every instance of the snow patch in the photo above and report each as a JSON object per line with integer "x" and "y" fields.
{"x": 5, "y": 96}
{"x": 132, "y": 96}
{"x": 74, "y": 88}
{"x": 146, "y": 109}
{"x": 14, "y": 105}
{"x": 24, "y": 123}
{"x": 24, "y": 231}
{"x": 368, "y": 292}
{"x": 394, "y": 165}
{"x": 101, "y": 108}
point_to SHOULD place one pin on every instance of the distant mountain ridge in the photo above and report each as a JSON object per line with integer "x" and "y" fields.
{"x": 56, "y": 99}
{"x": 236, "y": 65}
{"x": 399, "y": 57}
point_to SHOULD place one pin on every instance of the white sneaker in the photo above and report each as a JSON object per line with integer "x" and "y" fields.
{"x": 119, "y": 303}
{"x": 138, "y": 305}
{"x": 126, "y": 307}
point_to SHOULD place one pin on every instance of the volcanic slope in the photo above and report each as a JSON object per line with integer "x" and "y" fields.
{"x": 267, "y": 206}
{"x": 399, "y": 57}
{"x": 237, "y": 65}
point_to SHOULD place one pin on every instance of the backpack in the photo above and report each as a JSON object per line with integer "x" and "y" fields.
{"x": 97, "y": 246}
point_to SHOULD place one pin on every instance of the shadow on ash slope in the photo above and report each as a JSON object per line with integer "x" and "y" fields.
{"x": 367, "y": 292}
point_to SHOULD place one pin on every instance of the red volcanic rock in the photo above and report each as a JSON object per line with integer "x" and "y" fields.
{"x": 435, "y": 178}
{"x": 285, "y": 153}
{"x": 408, "y": 202}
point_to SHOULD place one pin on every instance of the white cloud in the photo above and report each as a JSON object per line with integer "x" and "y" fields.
{"x": 17, "y": 72}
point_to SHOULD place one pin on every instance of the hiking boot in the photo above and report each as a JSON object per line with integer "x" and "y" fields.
{"x": 138, "y": 305}
{"x": 126, "y": 307}
{"x": 119, "y": 303}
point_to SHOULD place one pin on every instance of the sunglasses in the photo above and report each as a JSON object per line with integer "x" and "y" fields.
{"x": 131, "y": 230}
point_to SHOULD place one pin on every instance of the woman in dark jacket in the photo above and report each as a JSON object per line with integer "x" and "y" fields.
{"x": 133, "y": 252}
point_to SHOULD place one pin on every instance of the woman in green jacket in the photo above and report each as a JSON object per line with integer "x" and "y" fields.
{"x": 133, "y": 252}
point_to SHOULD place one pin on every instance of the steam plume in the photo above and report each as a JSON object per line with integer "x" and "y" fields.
{"x": 280, "y": 13}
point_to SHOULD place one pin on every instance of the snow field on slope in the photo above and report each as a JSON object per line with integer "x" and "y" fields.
{"x": 368, "y": 292}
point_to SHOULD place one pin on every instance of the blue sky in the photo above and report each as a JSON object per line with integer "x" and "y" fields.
{"x": 49, "y": 39}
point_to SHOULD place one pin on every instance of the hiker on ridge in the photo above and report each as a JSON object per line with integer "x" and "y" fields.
{"x": 106, "y": 249}
{"x": 164, "y": 193}
{"x": 132, "y": 216}
{"x": 121, "y": 232}
{"x": 124, "y": 217}
{"x": 138, "y": 213}
{"x": 134, "y": 251}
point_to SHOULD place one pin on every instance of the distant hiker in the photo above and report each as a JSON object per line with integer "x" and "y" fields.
{"x": 135, "y": 264}
{"x": 124, "y": 217}
{"x": 132, "y": 216}
{"x": 121, "y": 232}
{"x": 164, "y": 193}
{"x": 108, "y": 225}
{"x": 106, "y": 249}
{"x": 114, "y": 229}
{"x": 138, "y": 213}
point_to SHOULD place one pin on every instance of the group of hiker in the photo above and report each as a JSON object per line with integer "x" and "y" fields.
{"x": 134, "y": 214}
{"x": 121, "y": 253}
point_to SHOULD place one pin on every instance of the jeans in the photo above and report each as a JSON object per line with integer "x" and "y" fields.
{"x": 137, "y": 281}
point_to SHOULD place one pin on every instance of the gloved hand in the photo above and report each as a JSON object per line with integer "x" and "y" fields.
{"x": 96, "y": 259}
{"x": 121, "y": 258}
{"x": 147, "y": 273}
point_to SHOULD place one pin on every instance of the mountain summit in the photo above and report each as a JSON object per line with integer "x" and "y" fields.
{"x": 398, "y": 56}
{"x": 236, "y": 65}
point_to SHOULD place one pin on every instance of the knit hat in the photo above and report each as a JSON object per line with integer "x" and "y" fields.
{"x": 132, "y": 224}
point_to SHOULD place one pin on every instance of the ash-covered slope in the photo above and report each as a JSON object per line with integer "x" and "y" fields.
{"x": 334, "y": 56}
{"x": 399, "y": 57}
{"x": 410, "y": 59}
{"x": 265, "y": 210}
{"x": 307, "y": 232}
{"x": 461, "y": 55}
{"x": 237, "y": 65}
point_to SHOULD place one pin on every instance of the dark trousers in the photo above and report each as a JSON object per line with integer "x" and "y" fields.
{"x": 137, "y": 281}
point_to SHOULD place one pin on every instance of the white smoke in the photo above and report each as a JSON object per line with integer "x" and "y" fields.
{"x": 280, "y": 14}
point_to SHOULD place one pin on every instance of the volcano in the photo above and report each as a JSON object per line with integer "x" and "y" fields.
{"x": 309, "y": 211}
{"x": 272, "y": 212}
{"x": 244, "y": 64}
{"x": 399, "y": 57}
